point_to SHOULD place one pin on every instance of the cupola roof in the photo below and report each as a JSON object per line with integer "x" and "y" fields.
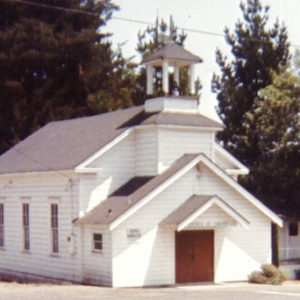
{"x": 174, "y": 53}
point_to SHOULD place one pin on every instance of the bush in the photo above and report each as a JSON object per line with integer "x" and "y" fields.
{"x": 269, "y": 274}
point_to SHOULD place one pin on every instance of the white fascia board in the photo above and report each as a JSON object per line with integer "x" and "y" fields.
{"x": 88, "y": 170}
{"x": 219, "y": 172}
{"x": 241, "y": 169}
{"x": 194, "y": 215}
{"x": 153, "y": 193}
{"x": 103, "y": 150}
{"x": 175, "y": 127}
{"x": 214, "y": 200}
{"x": 34, "y": 173}
{"x": 237, "y": 171}
{"x": 222, "y": 174}
{"x": 82, "y": 166}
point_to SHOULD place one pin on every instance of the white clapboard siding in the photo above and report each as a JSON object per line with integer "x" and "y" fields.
{"x": 236, "y": 246}
{"x": 175, "y": 143}
{"x": 238, "y": 251}
{"x": 289, "y": 245}
{"x": 117, "y": 167}
{"x": 146, "y": 150}
{"x": 213, "y": 216}
{"x": 96, "y": 266}
{"x": 156, "y": 246}
{"x": 39, "y": 191}
{"x": 141, "y": 262}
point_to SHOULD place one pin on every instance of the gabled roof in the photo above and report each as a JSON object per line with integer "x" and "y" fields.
{"x": 196, "y": 206}
{"x": 63, "y": 145}
{"x": 113, "y": 207}
{"x": 113, "y": 211}
{"x": 172, "y": 51}
{"x": 236, "y": 167}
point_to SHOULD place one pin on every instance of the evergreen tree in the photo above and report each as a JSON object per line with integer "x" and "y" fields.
{"x": 53, "y": 55}
{"x": 256, "y": 50}
{"x": 275, "y": 176}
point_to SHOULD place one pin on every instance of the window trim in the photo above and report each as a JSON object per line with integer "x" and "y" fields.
{"x": 54, "y": 228}
{"x": 94, "y": 242}
{"x": 26, "y": 226}
{"x": 2, "y": 226}
{"x": 293, "y": 229}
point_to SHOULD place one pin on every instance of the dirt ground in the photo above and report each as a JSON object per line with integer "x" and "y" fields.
{"x": 236, "y": 291}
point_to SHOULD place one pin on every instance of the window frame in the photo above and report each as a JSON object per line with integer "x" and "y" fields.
{"x": 98, "y": 242}
{"x": 293, "y": 229}
{"x": 54, "y": 225}
{"x": 2, "y": 224}
{"x": 26, "y": 225}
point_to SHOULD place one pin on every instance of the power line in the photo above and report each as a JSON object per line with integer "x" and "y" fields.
{"x": 72, "y": 10}
{"x": 40, "y": 163}
{"x": 211, "y": 33}
{"x": 181, "y": 28}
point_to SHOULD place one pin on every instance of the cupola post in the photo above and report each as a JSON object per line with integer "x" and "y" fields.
{"x": 192, "y": 78}
{"x": 171, "y": 55}
{"x": 150, "y": 74}
{"x": 165, "y": 76}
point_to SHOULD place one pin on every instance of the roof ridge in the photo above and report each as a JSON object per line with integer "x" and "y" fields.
{"x": 94, "y": 116}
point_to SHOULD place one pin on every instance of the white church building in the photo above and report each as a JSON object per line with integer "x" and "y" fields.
{"x": 137, "y": 197}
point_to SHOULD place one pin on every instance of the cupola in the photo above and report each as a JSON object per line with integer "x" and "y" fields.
{"x": 171, "y": 56}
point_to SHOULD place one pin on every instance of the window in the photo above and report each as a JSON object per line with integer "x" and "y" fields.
{"x": 54, "y": 227}
{"x": 97, "y": 241}
{"x": 1, "y": 225}
{"x": 26, "y": 226}
{"x": 293, "y": 228}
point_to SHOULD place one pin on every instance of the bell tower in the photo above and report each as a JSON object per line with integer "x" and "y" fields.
{"x": 170, "y": 55}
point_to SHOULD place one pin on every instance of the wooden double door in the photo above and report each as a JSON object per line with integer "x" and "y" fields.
{"x": 194, "y": 256}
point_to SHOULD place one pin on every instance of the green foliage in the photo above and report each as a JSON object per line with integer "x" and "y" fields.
{"x": 259, "y": 105}
{"x": 256, "y": 51}
{"x": 269, "y": 274}
{"x": 275, "y": 176}
{"x": 57, "y": 64}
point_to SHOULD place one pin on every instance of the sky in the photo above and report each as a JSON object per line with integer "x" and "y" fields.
{"x": 202, "y": 15}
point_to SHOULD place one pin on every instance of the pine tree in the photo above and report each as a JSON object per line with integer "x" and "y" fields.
{"x": 256, "y": 50}
{"x": 53, "y": 54}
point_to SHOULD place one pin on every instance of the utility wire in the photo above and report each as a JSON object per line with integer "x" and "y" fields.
{"x": 181, "y": 28}
{"x": 71, "y": 10}
{"x": 211, "y": 33}
{"x": 40, "y": 163}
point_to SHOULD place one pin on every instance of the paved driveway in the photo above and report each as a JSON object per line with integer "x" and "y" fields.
{"x": 243, "y": 291}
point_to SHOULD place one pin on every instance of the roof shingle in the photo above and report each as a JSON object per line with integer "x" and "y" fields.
{"x": 172, "y": 51}
{"x": 63, "y": 145}
{"x": 113, "y": 207}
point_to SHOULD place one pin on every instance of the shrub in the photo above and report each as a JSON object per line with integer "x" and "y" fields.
{"x": 269, "y": 274}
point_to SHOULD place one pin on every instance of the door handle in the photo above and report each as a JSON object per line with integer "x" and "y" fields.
{"x": 192, "y": 256}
